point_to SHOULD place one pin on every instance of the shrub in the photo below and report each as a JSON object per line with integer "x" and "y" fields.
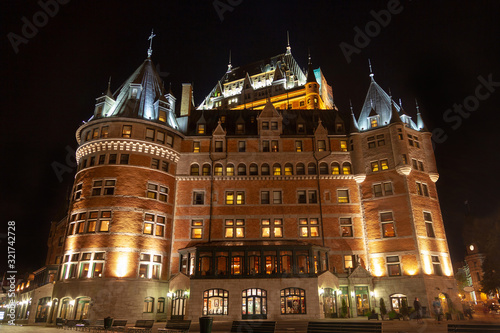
{"x": 393, "y": 315}
{"x": 343, "y": 309}
{"x": 404, "y": 308}
{"x": 383, "y": 309}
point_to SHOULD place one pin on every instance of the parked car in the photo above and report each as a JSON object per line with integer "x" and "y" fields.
{"x": 493, "y": 305}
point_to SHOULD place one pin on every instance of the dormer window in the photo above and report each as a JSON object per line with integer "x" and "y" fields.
{"x": 301, "y": 128}
{"x": 274, "y": 125}
{"x": 373, "y": 122}
{"x": 201, "y": 129}
{"x": 222, "y": 119}
{"x": 240, "y": 128}
{"x": 339, "y": 127}
{"x": 163, "y": 116}
{"x": 265, "y": 125}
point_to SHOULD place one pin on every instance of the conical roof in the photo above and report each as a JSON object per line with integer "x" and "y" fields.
{"x": 139, "y": 96}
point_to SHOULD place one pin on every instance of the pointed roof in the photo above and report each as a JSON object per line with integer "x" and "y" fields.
{"x": 420, "y": 122}
{"x": 108, "y": 92}
{"x": 353, "y": 124}
{"x": 395, "y": 118}
{"x": 269, "y": 111}
{"x": 310, "y": 72}
{"x": 138, "y": 96}
{"x": 320, "y": 129}
{"x": 218, "y": 131}
{"x": 377, "y": 102}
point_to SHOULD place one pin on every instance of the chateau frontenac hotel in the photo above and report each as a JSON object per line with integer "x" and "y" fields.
{"x": 263, "y": 202}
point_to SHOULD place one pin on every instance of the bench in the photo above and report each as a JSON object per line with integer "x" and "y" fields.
{"x": 473, "y": 328}
{"x": 59, "y": 322}
{"x": 253, "y": 326}
{"x": 343, "y": 326}
{"x": 97, "y": 326}
{"x": 142, "y": 326}
{"x": 176, "y": 326}
{"x": 119, "y": 325}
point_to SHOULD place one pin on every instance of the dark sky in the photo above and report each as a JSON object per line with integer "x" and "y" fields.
{"x": 432, "y": 51}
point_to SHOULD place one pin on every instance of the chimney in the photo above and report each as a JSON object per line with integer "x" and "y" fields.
{"x": 186, "y": 99}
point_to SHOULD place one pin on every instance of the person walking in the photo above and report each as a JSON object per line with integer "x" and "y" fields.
{"x": 418, "y": 310}
{"x": 437, "y": 309}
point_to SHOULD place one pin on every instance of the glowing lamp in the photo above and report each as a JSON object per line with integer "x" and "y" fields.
{"x": 186, "y": 293}
{"x": 49, "y": 303}
{"x": 321, "y": 291}
{"x": 72, "y": 302}
{"x": 169, "y": 295}
{"x": 340, "y": 292}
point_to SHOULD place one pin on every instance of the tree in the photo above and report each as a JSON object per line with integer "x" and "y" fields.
{"x": 343, "y": 309}
{"x": 404, "y": 308}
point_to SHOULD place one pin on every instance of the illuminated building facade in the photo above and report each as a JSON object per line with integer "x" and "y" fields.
{"x": 264, "y": 201}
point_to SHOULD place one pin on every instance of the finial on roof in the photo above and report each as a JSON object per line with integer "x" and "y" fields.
{"x": 288, "y": 47}
{"x": 150, "y": 38}
{"x": 309, "y": 56}
{"x": 108, "y": 92}
{"x": 370, "y": 66}
{"x": 390, "y": 94}
{"x": 350, "y": 106}
{"x": 416, "y": 104}
{"x": 229, "y": 66}
{"x": 400, "y": 103}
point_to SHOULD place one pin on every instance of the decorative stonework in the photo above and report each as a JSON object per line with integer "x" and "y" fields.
{"x": 434, "y": 176}
{"x": 126, "y": 145}
{"x": 404, "y": 170}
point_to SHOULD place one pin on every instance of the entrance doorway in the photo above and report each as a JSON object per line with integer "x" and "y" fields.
{"x": 178, "y": 305}
{"x": 329, "y": 303}
{"x": 362, "y": 300}
{"x": 82, "y": 308}
{"x": 397, "y": 301}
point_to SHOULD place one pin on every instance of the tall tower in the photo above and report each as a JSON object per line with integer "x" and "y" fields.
{"x": 312, "y": 88}
{"x": 116, "y": 252}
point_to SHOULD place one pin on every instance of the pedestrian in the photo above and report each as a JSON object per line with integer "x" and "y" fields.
{"x": 467, "y": 309}
{"x": 437, "y": 309}
{"x": 418, "y": 310}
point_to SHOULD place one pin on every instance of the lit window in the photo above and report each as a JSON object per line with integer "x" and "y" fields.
{"x": 293, "y": 301}
{"x": 230, "y": 170}
{"x": 321, "y": 145}
{"x": 201, "y": 129}
{"x": 253, "y": 170}
{"x": 349, "y": 261}
{"x": 346, "y": 168}
{"x": 196, "y": 229}
{"x": 158, "y": 192}
{"x": 95, "y": 133}
{"x": 346, "y": 228}
{"x": 126, "y": 131}
{"x": 343, "y": 196}
{"x": 150, "y": 266}
{"x": 215, "y": 302}
{"x": 343, "y": 145}
{"x": 275, "y": 146}
{"x": 308, "y": 227}
{"x": 335, "y": 168}
{"x": 195, "y": 170}
{"x": 277, "y": 170}
{"x": 205, "y": 170}
{"x": 272, "y": 228}
{"x": 218, "y": 170}
{"x": 384, "y": 164}
{"x": 105, "y": 132}
{"x": 219, "y": 146}
{"x": 163, "y": 116}
{"x": 298, "y": 146}
{"x": 241, "y": 146}
{"x": 393, "y": 265}
{"x": 288, "y": 169}
{"x": 375, "y": 166}
{"x": 254, "y": 303}
{"x": 373, "y": 122}
{"x": 234, "y": 228}
{"x": 387, "y": 222}
{"x": 196, "y": 147}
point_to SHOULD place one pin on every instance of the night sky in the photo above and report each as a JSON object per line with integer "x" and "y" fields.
{"x": 438, "y": 52}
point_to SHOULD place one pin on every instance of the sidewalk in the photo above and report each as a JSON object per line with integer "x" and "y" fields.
{"x": 392, "y": 326}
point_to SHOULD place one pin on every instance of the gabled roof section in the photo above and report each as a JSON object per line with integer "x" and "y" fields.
{"x": 377, "y": 102}
{"x": 139, "y": 96}
{"x": 269, "y": 111}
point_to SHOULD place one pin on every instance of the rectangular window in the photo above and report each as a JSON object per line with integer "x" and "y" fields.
{"x": 163, "y": 116}
{"x": 198, "y": 198}
{"x": 349, "y": 261}
{"x": 343, "y": 196}
{"x": 241, "y": 146}
{"x": 274, "y": 125}
{"x": 414, "y": 163}
{"x": 234, "y": 228}
{"x": 425, "y": 190}
{"x": 387, "y": 222}
{"x": 380, "y": 140}
{"x": 271, "y": 228}
{"x": 103, "y": 187}
{"x": 277, "y": 197}
{"x": 428, "y": 225}
{"x": 298, "y": 146}
{"x": 201, "y": 129}
{"x": 321, "y": 145}
{"x": 384, "y": 164}
{"x": 101, "y": 160}
{"x": 229, "y": 198}
{"x": 77, "y": 191}
{"x": 308, "y": 227}
{"x": 436, "y": 265}
{"x": 343, "y": 145}
{"x": 265, "y": 146}
{"x": 196, "y": 229}
{"x": 393, "y": 265}
{"x": 346, "y": 228}
{"x": 264, "y": 197}
{"x": 375, "y": 166}
{"x": 404, "y": 159}
{"x": 150, "y": 134}
{"x": 150, "y": 268}
{"x": 218, "y": 146}
{"x": 126, "y": 131}
{"x": 170, "y": 141}
{"x": 240, "y": 128}
{"x": 157, "y": 192}
{"x": 155, "y": 163}
{"x": 112, "y": 159}
{"x": 265, "y": 125}
{"x": 124, "y": 158}
{"x": 420, "y": 165}
{"x": 380, "y": 190}
{"x": 160, "y": 137}
{"x": 154, "y": 225}
{"x": 164, "y": 166}
{"x": 419, "y": 188}
{"x": 196, "y": 147}
{"x": 104, "y": 131}
{"x": 275, "y": 146}
{"x": 301, "y": 197}
{"x": 312, "y": 196}
{"x": 371, "y": 142}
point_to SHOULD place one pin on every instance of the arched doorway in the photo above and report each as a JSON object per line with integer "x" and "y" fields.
{"x": 82, "y": 308}
{"x": 66, "y": 308}
{"x": 178, "y": 305}
{"x": 445, "y": 306}
{"x": 397, "y": 301}
{"x": 42, "y": 310}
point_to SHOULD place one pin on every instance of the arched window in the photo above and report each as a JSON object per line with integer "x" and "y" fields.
{"x": 311, "y": 169}
{"x": 265, "y": 169}
{"x": 335, "y": 168}
{"x": 218, "y": 169}
{"x": 42, "y": 310}
{"x": 301, "y": 170}
{"x": 215, "y": 302}
{"x": 160, "y": 306}
{"x": 242, "y": 170}
{"x": 206, "y": 170}
{"x": 66, "y": 308}
{"x": 230, "y": 170}
{"x": 179, "y": 299}
{"x": 276, "y": 169}
{"x": 288, "y": 169}
{"x": 397, "y": 301}
{"x": 323, "y": 169}
{"x": 346, "y": 168}
{"x": 293, "y": 301}
{"x": 148, "y": 305}
{"x": 82, "y": 308}
{"x": 254, "y": 169}
{"x": 195, "y": 170}
{"x": 254, "y": 303}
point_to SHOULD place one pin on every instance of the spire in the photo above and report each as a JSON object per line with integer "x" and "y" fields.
{"x": 371, "y": 72}
{"x": 353, "y": 124}
{"x": 150, "y": 50}
{"x": 420, "y": 122}
{"x": 310, "y": 71}
{"x": 288, "y": 47}
{"x": 108, "y": 92}
{"x": 229, "y": 66}
{"x": 395, "y": 118}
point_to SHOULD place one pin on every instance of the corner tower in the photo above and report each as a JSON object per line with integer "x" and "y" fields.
{"x": 116, "y": 253}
